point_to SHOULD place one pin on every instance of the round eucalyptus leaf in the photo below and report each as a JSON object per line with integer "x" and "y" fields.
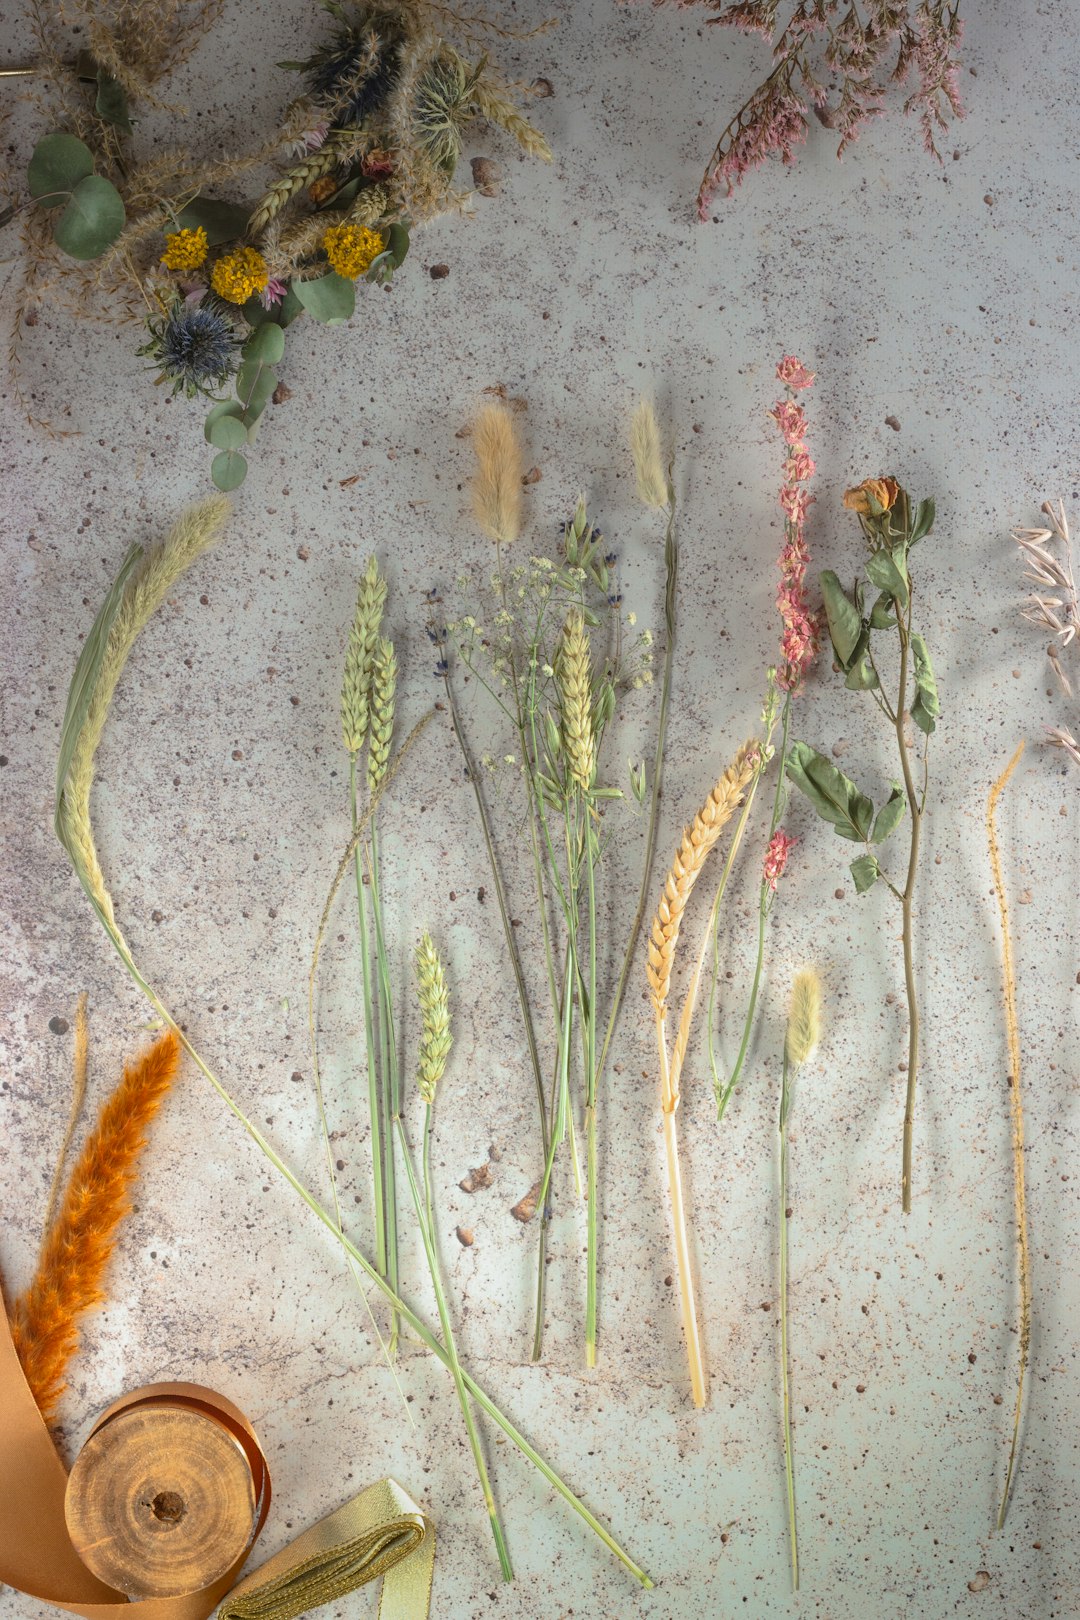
{"x": 227, "y": 433}
{"x": 266, "y": 343}
{"x": 222, "y": 221}
{"x": 224, "y": 407}
{"x": 58, "y": 163}
{"x": 228, "y": 470}
{"x": 92, "y": 220}
{"x": 331, "y": 299}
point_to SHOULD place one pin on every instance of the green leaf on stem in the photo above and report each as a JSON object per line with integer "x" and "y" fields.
{"x": 861, "y": 675}
{"x": 927, "y": 706}
{"x": 882, "y": 615}
{"x": 890, "y": 815}
{"x": 833, "y": 795}
{"x": 92, "y": 220}
{"x": 266, "y": 343}
{"x": 845, "y": 622}
{"x": 924, "y": 521}
{"x": 57, "y": 165}
{"x": 885, "y": 570}
{"x": 330, "y": 299}
{"x": 111, "y": 104}
{"x": 228, "y": 470}
{"x": 222, "y": 221}
{"x": 865, "y": 871}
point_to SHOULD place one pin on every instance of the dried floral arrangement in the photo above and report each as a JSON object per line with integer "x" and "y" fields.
{"x": 891, "y": 527}
{"x": 835, "y": 60}
{"x": 143, "y": 581}
{"x": 81, "y": 1227}
{"x": 370, "y": 148}
{"x": 1054, "y": 604}
{"x": 547, "y": 641}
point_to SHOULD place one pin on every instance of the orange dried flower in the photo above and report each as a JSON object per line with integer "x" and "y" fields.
{"x": 80, "y": 1242}
{"x": 872, "y": 497}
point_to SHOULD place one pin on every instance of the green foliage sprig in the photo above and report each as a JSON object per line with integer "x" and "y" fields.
{"x": 892, "y": 527}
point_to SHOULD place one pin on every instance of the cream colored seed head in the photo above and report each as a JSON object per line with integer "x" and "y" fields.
{"x": 697, "y": 842}
{"x": 436, "y": 1039}
{"x": 573, "y": 681}
{"x": 360, "y": 657}
{"x": 804, "y": 1018}
{"x": 496, "y": 489}
{"x": 383, "y": 687}
{"x": 649, "y": 474}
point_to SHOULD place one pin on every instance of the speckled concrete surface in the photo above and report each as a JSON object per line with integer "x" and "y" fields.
{"x": 943, "y": 297}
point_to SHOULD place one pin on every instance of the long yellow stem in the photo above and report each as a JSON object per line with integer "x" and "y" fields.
{"x": 669, "y": 1103}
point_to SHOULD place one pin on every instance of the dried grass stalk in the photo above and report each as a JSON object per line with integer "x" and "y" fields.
{"x": 80, "y": 1242}
{"x": 1016, "y": 1109}
{"x": 496, "y": 488}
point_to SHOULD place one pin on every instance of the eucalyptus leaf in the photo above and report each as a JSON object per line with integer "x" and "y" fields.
{"x": 890, "y": 815}
{"x": 222, "y": 221}
{"x": 331, "y": 299}
{"x": 227, "y": 433}
{"x": 885, "y": 572}
{"x": 84, "y": 680}
{"x": 927, "y": 706}
{"x": 254, "y": 385}
{"x": 92, "y": 220}
{"x": 224, "y": 407}
{"x": 865, "y": 871}
{"x": 228, "y": 470}
{"x": 924, "y": 521}
{"x": 833, "y": 795}
{"x": 845, "y": 623}
{"x": 57, "y": 165}
{"x": 397, "y": 242}
{"x": 266, "y": 344}
{"x": 111, "y": 104}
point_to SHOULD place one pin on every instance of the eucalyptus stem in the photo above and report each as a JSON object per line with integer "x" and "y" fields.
{"x": 425, "y": 1216}
{"x": 391, "y": 1090}
{"x": 377, "y": 1143}
{"x": 789, "y": 1465}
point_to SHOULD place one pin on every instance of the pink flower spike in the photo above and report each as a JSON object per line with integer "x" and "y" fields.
{"x": 791, "y": 420}
{"x": 273, "y": 293}
{"x": 780, "y": 846}
{"x": 793, "y": 374}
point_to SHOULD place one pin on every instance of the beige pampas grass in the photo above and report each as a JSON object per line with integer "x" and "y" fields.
{"x": 804, "y": 1018}
{"x": 698, "y": 841}
{"x": 649, "y": 472}
{"x": 496, "y": 487}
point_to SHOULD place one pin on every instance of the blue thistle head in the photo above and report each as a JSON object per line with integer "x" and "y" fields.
{"x": 194, "y": 348}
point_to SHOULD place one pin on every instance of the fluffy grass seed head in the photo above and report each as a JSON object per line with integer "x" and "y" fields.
{"x": 649, "y": 473}
{"x": 383, "y": 687}
{"x": 360, "y": 657}
{"x": 435, "y": 1038}
{"x": 573, "y": 682}
{"x": 496, "y": 487}
{"x": 804, "y": 1018}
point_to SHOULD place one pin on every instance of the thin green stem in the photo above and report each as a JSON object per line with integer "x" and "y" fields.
{"x": 916, "y": 813}
{"x": 390, "y": 1093}
{"x": 592, "y": 1256}
{"x": 378, "y": 1192}
{"x": 789, "y": 1463}
{"x": 425, "y": 1216}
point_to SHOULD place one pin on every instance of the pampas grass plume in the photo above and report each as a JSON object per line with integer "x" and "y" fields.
{"x": 496, "y": 488}
{"x": 649, "y": 474}
{"x": 804, "y": 1018}
{"x": 79, "y": 1244}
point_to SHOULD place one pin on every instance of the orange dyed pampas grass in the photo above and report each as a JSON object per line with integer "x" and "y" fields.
{"x": 79, "y": 1243}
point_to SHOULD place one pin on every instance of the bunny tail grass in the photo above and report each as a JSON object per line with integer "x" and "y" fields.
{"x": 496, "y": 488}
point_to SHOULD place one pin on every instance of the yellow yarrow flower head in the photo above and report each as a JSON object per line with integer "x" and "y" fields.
{"x": 239, "y": 274}
{"x": 185, "y": 250}
{"x": 351, "y": 249}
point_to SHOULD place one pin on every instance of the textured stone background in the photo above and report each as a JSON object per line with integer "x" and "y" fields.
{"x": 945, "y": 297}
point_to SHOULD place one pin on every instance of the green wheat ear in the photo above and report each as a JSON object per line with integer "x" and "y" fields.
{"x": 436, "y": 1039}
{"x": 360, "y": 657}
{"x": 573, "y": 679}
{"x": 381, "y": 726}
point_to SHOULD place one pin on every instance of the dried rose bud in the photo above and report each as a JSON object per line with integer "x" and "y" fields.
{"x": 872, "y": 497}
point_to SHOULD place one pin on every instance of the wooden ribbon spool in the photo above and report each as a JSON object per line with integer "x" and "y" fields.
{"x": 161, "y": 1500}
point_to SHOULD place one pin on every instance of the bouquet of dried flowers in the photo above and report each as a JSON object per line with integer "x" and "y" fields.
{"x": 370, "y": 149}
{"x": 1054, "y": 604}
{"x": 835, "y": 59}
{"x": 891, "y": 527}
{"x": 554, "y": 659}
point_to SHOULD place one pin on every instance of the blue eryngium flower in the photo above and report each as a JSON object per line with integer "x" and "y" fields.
{"x": 193, "y": 347}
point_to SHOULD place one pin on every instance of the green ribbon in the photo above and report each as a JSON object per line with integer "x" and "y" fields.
{"x": 381, "y": 1532}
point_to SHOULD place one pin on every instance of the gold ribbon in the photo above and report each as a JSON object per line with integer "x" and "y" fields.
{"x": 381, "y": 1532}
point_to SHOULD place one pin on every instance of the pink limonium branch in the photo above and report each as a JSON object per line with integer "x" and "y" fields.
{"x": 800, "y": 638}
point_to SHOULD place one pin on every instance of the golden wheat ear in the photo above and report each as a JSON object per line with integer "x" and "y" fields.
{"x": 79, "y": 1244}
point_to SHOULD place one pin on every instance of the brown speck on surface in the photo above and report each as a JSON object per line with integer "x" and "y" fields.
{"x": 303, "y": 553}
{"x": 58, "y": 1025}
{"x": 893, "y": 422}
{"x": 281, "y": 393}
{"x": 487, "y": 176}
{"x": 525, "y": 1208}
{"x": 439, "y": 272}
{"x": 980, "y": 1581}
{"x": 533, "y": 476}
{"x": 542, "y": 88}
{"x": 465, "y": 1236}
{"x": 478, "y": 1177}
{"x": 838, "y": 894}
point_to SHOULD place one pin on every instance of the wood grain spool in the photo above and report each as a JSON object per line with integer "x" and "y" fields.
{"x": 160, "y": 1501}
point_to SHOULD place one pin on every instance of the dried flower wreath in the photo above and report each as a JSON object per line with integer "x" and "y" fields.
{"x": 862, "y": 46}
{"x": 375, "y": 138}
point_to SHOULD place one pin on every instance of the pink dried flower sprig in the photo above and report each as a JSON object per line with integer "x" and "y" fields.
{"x": 776, "y": 857}
{"x": 835, "y": 61}
{"x": 801, "y": 632}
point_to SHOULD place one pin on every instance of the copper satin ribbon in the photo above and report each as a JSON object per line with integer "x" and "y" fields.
{"x": 381, "y": 1532}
